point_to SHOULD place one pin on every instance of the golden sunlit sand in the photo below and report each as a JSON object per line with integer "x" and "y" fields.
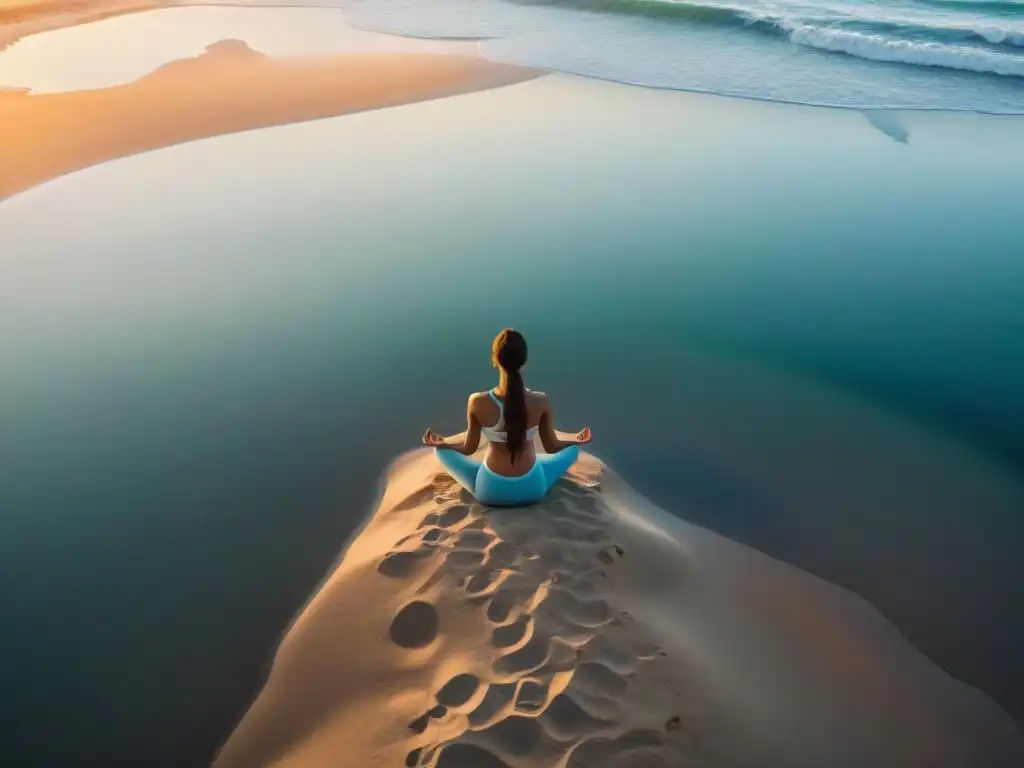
{"x": 593, "y": 630}
{"x": 228, "y": 88}
{"x": 20, "y": 18}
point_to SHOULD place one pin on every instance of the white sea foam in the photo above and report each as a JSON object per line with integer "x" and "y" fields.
{"x": 746, "y": 49}
{"x": 881, "y": 48}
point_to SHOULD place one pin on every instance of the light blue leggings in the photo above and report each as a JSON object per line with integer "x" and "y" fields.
{"x": 488, "y": 487}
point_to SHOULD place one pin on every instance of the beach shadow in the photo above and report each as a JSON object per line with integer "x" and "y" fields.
{"x": 888, "y": 123}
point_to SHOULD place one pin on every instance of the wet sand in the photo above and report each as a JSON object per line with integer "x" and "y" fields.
{"x": 227, "y": 89}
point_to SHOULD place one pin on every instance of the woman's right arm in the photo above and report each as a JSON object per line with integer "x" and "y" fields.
{"x": 470, "y": 438}
{"x": 549, "y": 438}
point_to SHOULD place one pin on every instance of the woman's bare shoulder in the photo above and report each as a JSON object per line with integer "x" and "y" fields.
{"x": 477, "y": 397}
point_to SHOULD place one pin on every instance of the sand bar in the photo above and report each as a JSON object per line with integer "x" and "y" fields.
{"x": 228, "y": 88}
{"x": 594, "y": 630}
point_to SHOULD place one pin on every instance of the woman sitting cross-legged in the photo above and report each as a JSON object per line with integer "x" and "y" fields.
{"x": 512, "y": 472}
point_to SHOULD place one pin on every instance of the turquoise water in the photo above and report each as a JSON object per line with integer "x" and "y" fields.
{"x": 909, "y": 54}
{"x": 779, "y": 322}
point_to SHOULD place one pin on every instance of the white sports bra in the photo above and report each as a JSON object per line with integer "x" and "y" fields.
{"x": 496, "y": 433}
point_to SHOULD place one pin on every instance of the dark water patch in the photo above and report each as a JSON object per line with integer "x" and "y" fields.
{"x": 888, "y": 124}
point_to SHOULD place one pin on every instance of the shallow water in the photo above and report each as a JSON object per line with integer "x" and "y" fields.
{"x": 910, "y": 54}
{"x": 209, "y": 362}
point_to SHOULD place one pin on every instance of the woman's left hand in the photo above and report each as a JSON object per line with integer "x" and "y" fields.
{"x": 433, "y": 440}
{"x": 583, "y": 437}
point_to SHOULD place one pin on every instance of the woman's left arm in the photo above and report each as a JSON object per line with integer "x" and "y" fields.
{"x": 470, "y": 438}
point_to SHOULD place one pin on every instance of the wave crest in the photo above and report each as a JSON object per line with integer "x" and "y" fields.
{"x": 880, "y": 48}
{"x": 877, "y": 39}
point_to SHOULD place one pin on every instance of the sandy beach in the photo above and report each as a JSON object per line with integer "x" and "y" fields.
{"x": 229, "y": 88}
{"x": 594, "y": 630}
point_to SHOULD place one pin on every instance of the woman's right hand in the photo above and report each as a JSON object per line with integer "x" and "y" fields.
{"x": 433, "y": 439}
{"x": 584, "y": 436}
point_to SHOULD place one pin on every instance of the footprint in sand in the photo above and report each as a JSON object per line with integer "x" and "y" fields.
{"x": 430, "y": 521}
{"x": 400, "y": 565}
{"x": 465, "y": 558}
{"x": 526, "y": 659}
{"x": 419, "y": 725}
{"x": 532, "y": 697}
{"x": 565, "y": 657}
{"x": 458, "y": 691}
{"x": 415, "y": 626}
{"x": 502, "y": 555}
{"x": 473, "y": 538}
{"x": 516, "y": 595}
{"x": 452, "y": 516}
{"x": 509, "y": 634}
{"x": 496, "y": 698}
{"x": 483, "y": 580}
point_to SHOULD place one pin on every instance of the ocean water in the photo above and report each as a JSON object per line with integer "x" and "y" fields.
{"x": 782, "y": 325}
{"x": 963, "y": 55}
{"x": 906, "y": 54}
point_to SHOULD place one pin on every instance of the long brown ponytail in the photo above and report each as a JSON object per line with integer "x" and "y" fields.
{"x": 509, "y": 352}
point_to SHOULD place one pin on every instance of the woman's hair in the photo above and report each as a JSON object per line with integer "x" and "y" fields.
{"x": 509, "y": 352}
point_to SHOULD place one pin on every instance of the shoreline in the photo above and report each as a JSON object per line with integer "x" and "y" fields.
{"x": 810, "y": 104}
{"x": 26, "y": 19}
{"x": 229, "y": 88}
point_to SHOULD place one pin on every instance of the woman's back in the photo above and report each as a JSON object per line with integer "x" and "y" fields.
{"x": 488, "y": 409}
{"x": 510, "y": 417}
